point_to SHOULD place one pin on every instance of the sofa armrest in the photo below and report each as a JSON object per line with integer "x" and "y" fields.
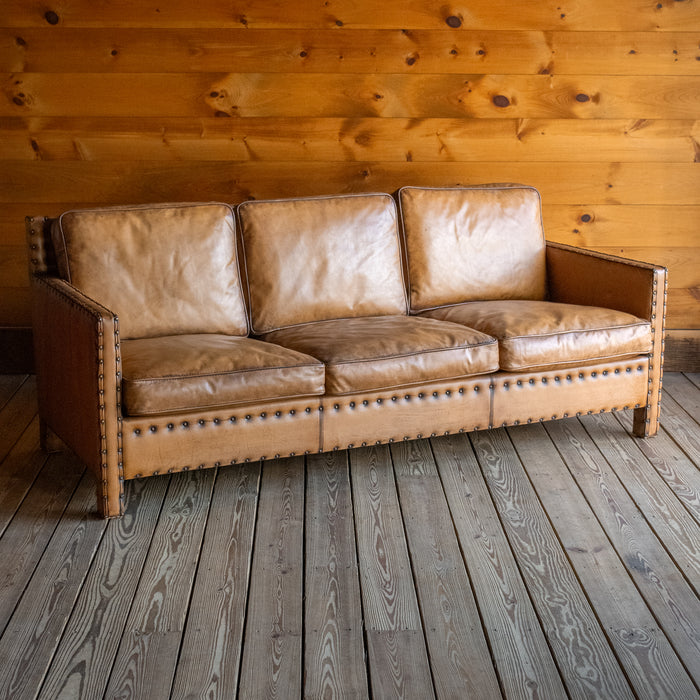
{"x": 78, "y": 366}
{"x": 578, "y": 276}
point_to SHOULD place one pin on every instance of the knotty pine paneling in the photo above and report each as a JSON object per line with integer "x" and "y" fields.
{"x": 595, "y": 103}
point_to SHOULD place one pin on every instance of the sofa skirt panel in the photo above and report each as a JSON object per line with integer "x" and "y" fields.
{"x": 519, "y": 397}
{"x": 392, "y": 415}
{"x": 198, "y": 440}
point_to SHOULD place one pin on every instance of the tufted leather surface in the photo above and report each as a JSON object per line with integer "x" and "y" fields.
{"x": 194, "y": 372}
{"x": 163, "y": 269}
{"x": 321, "y": 258}
{"x": 473, "y": 243}
{"x": 540, "y": 334}
{"x": 390, "y": 351}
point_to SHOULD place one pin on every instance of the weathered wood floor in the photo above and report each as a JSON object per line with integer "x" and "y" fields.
{"x": 547, "y": 561}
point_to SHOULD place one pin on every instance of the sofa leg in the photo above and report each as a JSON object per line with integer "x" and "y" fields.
{"x": 48, "y": 440}
{"x": 645, "y": 422}
{"x": 109, "y": 505}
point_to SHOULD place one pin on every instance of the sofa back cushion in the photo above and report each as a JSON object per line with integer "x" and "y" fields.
{"x": 473, "y": 243}
{"x": 320, "y": 258}
{"x": 164, "y": 269}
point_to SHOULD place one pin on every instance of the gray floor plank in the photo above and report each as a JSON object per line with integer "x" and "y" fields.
{"x": 147, "y": 657}
{"x": 584, "y": 657}
{"x": 18, "y": 471}
{"x": 210, "y": 656}
{"x": 84, "y": 658}
{"x": 648, "y": 659}
{"x": 37, "y": 623}
{"x": 397, "y": 655}
{"x": 459, "y": 655}
{"x": 334, "y": 665}
{"x": 272, "y": 644}
{"x": 521, "y": 654}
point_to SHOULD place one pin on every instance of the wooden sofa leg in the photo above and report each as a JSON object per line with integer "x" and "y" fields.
{"x": 646, "y": 421}
{"x": 48, "y": 440}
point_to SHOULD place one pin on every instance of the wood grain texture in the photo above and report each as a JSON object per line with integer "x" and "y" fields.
{"x": 209, "y": 659}
{"x": 337, "y": 139}
{"x": 598, "y": 103}
{"x": 371, "y": 50}
{"x": 684, "y": 393}
{"x": 669, "y": 586}
{"x": 549, "y": 14}
{"x": 643, "y": 650}
{"x": 395, "y": 644}
{"x": 84, "y": 657}
{"x": 147, "y": 656}
{"x": 519, "y": 648}
{"x": 19, "y": 469}
{"x": 662, "y": 510}
{"x": 584, "y": 657}
{"x": 334, "y": 664}
{"x": 25, "y": 538}
{"x": 40, "y": 618}
{"x": 272, "y": 645}
{"x": 151, "y": 181}
{"x": 17, "y": 414}
{"x": 459, "y": 655}
{"x": 680, "y": 474}
{"x": 492, "y": 96}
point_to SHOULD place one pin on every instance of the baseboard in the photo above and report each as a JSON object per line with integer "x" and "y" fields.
{"x": 682, "y": 352}
{"x": 16, "y": 351}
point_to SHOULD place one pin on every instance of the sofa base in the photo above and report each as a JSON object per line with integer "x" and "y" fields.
{"x": 170, "y": 443}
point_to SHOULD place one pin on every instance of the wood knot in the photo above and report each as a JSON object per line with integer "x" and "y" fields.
{"x": 453, "y": 21}
{"x": 51, "y": 17}
{"x": 501, "y": 101}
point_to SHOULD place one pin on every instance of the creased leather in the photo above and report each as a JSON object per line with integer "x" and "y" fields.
{"x": 162, "y": 269}
{"x": 390, "y": 351}
{"x": 473, "y": 243}
{"x": 195, "y": 372}
{"x": 540, "y": 334}
{"x": 321, "y": 258}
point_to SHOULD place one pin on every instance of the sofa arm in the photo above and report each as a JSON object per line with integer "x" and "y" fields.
{"x": 78, "y": 366}
{"x": 578, "y": 276}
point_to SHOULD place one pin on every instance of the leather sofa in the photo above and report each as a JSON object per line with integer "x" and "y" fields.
{"x": 183, "y": 336}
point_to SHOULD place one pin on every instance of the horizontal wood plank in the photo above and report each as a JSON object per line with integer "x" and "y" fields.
{"x": 356, "y": 95}
{"x": 603, "y": 225}
{"x": 334, "y": 139}
{"x": 319, "y": 95}
{"x": 393, "y": 50}
{"x": 362, "y": 14}
{"x": 154, "y": 181}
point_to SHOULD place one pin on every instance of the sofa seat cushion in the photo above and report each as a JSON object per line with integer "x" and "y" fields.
{"x": 193, "y": 372}
{"x": 534, "y": 335}
{"x": 383, "y": 352}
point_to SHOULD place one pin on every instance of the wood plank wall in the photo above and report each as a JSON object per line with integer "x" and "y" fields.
{"x": 596, "y": 103}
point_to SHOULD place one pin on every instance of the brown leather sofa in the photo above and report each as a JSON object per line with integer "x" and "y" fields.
{"x": 184, "y": 336}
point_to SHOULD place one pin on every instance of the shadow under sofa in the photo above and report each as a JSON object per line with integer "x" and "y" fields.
{"x": 184, "y": 336}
